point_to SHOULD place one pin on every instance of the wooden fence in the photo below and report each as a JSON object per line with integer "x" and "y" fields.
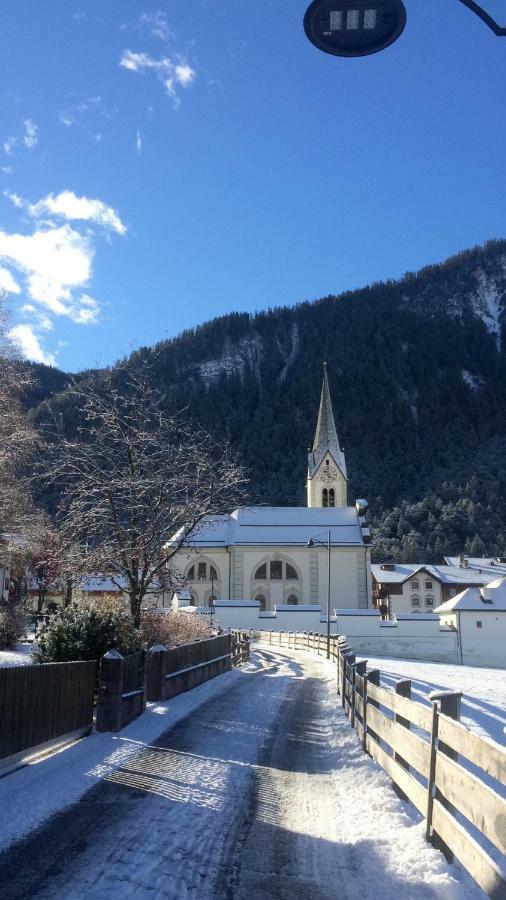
{"x": 422, "y": 749}
{"x": 171, "y": 672}
{"x": 42, "y": 707}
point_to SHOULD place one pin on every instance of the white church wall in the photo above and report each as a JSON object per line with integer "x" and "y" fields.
{"x": 483, "y": 636}
{"x": 410, "y": 637}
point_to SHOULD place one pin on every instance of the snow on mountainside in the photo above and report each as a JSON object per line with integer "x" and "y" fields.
{"x": 488, "y": 301}
{"x": 234, "y": 359}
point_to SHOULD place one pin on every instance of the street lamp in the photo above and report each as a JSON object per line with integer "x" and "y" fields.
{"x": 311, "y": 542}
{"x": 363, "y": 27}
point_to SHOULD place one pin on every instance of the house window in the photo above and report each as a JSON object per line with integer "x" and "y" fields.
{"x": 428, "y": 585}
{"x": 325, "y": 497}
{"x": 332, "y": 497}
{"x": 415, "y": 586}
{"x": 261, "y": 600}
{"x": 191, "y": 574}
{"x": 479, "y": 625}
{"x": 261, "y": 572}
{"x": 276, "y": 570}
{"x": 415, "y": 601}
{"x": 291, "y": 574}
{"x": 429, "y": 601}
{"x": 292, "y": 600}
{"x": 327, "y": 462}
{"x": 202, "y": 571}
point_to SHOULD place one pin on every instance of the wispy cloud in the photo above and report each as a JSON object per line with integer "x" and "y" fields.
{"x": 157, "y": 24}
{"x": 138, "y": 143}
{"x": 173, "y": 75}
{"x": 67, "y": 205}
{"x": 7, "y": 170}
{"x": 28, "y": 138}
{"x": 74, "y": 114}
{"x": 26, "y": 339}
{"x": 7, "y": 282}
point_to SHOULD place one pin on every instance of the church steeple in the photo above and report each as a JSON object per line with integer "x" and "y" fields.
{"x": 327, "y": 478}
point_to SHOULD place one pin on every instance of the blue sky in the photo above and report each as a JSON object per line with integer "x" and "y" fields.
{"x": 161, "y": 165}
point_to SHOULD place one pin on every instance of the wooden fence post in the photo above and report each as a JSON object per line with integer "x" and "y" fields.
{"x": 432, "y": 770}
{"x": 359, "y": 668}
{"x": 155, "y": 672}
{"x": 110, "y": 692}
{"x": 403, "y": 689}
{"x": 450, "y": 703}
{"x": 373, "y": 677}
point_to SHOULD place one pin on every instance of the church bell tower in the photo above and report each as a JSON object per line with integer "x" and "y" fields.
{"x": 327, "y": 482}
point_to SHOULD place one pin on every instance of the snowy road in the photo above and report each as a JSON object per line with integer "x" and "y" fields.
{"x": 261, "y": 793}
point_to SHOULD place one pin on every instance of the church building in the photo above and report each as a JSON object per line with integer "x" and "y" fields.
{"x": 280, "y": 555}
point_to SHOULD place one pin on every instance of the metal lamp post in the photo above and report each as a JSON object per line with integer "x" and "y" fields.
{"x": 363, "y": 27}
{"x": 311, "y": 542}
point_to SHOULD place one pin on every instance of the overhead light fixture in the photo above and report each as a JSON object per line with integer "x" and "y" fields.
{"x": 354, "y": 27}
{"x": 362, "y": 27}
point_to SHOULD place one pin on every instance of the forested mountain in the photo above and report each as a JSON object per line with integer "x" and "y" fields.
{"x": 417, "y": 372}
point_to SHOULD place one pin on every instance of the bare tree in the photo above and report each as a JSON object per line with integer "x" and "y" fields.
{"x": 135, "y": 482}
{"x": 18, "y": 517}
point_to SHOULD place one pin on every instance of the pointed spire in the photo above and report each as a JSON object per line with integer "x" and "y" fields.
{"x": 326, "y": 435}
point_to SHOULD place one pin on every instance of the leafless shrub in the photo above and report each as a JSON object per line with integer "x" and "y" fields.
{"x": 173, "y": 628}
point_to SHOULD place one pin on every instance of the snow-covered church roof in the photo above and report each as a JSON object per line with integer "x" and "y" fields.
{"x": 492, "y": 598}
{"x": 270, "y": 525}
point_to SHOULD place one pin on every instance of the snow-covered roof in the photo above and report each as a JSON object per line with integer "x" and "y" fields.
{"x": 451, "y": 574}
{"x": 491, "y": 598}
{"x": 281, "y": 525}
{"x": 489, "y": 565}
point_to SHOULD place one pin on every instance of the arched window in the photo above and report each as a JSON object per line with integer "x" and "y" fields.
{"x": 325, "y": 497}
{"x": 191, "y": 574}
{"x": 261, "y": 600}
{"x": 332, "y": 497}
{"x": 213, "y": 573}
{"x": 292, "y": 600}
{"x": 291, "y": 574}
{"x": 261, "y": 572}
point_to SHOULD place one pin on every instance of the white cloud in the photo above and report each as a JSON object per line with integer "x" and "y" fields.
{"x": 28, "y": 342}
{"x": 30, "y": 138}
{"x": 15, "y": 199}
{"x": 7, "y": 282}
{"x": 172, "y": 75}
{"x": 44, "y": 323}
{"x": 67, "y": 205}
{"x": 138, "y": 143}
{"x": 7, "y": 170}
{"x": 9, "y": 145}
{"x": 53, "y": 261}
{"x": 86, "y": 310}
{"x": 157, "y": 24}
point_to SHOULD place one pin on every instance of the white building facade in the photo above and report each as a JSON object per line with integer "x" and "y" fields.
{"x": 479, "y": 617}
{"x": 280, "y": 555}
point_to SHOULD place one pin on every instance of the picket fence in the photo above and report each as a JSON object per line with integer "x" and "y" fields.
{"x": 421, "y": 748}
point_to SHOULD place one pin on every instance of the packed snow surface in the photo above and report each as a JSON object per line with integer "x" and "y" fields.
{"x": 251, "y": 786}
{"x": 21, "y": 656}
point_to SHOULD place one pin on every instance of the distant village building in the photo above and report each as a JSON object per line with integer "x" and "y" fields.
{"x": 400, "y": 588}
{"x": 261, "y": 553}
{"x": 479, "y": 617}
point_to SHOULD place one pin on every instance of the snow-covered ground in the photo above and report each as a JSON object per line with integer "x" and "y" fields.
{"x": 258, "y": 789}
{"x": 21, "y": 656}
{"x": 484, "y": 690}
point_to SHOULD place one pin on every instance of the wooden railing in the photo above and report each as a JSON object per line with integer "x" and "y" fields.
{"x": 173, "y": 671}
{"x": 452, "y": 775}
{"x": 43, "y": 706}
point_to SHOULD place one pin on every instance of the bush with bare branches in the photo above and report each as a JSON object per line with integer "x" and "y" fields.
{"x": 173, "y": 628}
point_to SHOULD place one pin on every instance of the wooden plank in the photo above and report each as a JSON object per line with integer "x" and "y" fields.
{"x": 412, "y": 748}
{"x": 359, "y": 706}
{"x": 477, "y": 862}
{"x": 474, "y": 799}
{"x": 359, "y": 684}
{"x": 411, "y": 787}
{"x": 481, "y": 751}
{"x": 415, "y": 712}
